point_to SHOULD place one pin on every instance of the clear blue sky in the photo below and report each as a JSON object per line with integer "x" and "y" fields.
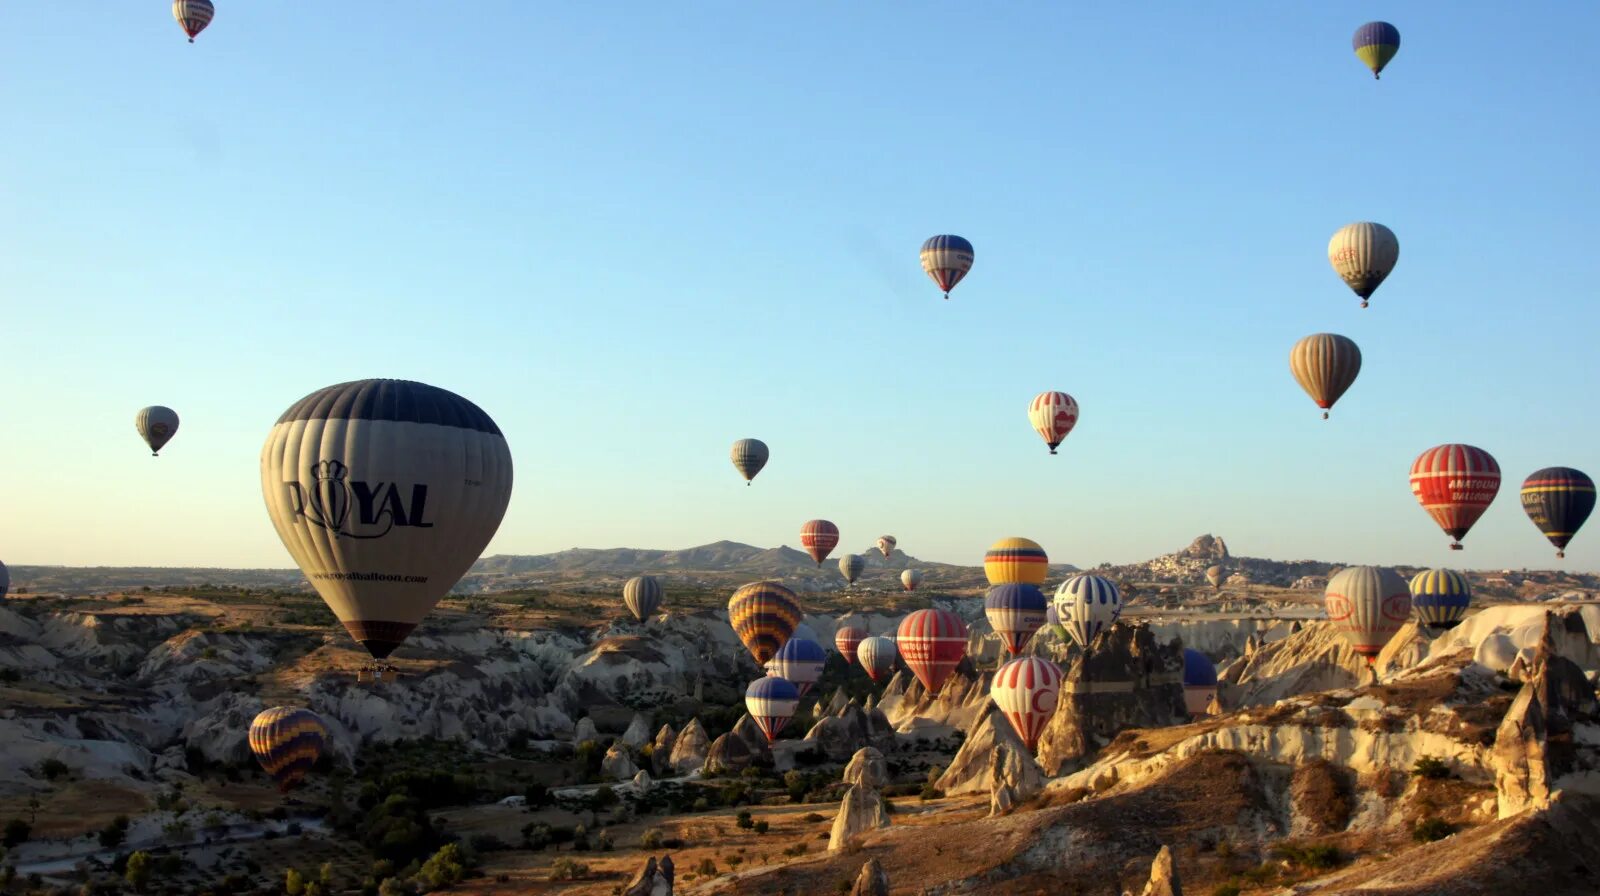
{"x": 636, "y": 233}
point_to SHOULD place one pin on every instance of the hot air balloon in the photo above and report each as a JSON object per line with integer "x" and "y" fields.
{"x": 1015, "y": 612}
{"x": 193, "y": 16}
{"x": 771, "y": 702}
{"x": 1558, "y": 500}
{"x": 1216, "y": 575}
{"x": 156, "y": 425}
{"x": 764, "y": 615}
{"x": 851, "y": 566}
{"x": 1325, "y": 364}
{"x": 642, "y": 595}
{"x": 1363, "y": 254}
{"x": 799, "y": 660}
{"x": 287, "y": 742}
{"x": 932, "y": 642}
{"x": 1368, "y": 604}
{"x": 1199, "y": 682}
{"x": 5, "y": 581}
{"x": 819, "y": 537}
{"x": 1087, "y": 604}
{"x": 1440, "y": 597}
{"x": 886, "y": 544}
{"x": 1375, "y": 44}
{"x": 1455, "y": 484}
{"x": 1053, "y": 414}
{"x": 910, "y": 579}
{"x": 1015, "y": 560}
{"x": 749, "y": 456}
{"x": 385, "y": 492}
{"x": 805, "y": 631}
{"x": 877, "y": 655}
{"x": 1026, "y": 690}
{"x": 946, "y": 259}
{"x": 848, "y": 637}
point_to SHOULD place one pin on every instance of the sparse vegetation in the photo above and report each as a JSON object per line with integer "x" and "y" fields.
{"x": 1430, "y": 829}
{"x": 651, "y": 838}
{"x": 1431, "y": 768}
{"x": 1315, "y": 856}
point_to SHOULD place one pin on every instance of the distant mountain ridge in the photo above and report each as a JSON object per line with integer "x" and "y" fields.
{"x": 719, "y": 556}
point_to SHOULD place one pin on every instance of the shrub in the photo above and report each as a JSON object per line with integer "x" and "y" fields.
{"x": 294, "y": 883}
{"x": 1430, "y": 829}
{"x": 604, "y": 798}
{"x": 743, "y": 819}
{"x": 930, "y": 792}
{"x": 706, "y": 868}
{"x": 701, "y": 804}
{"x": 798, "y": 849}
{"x": 536, "y": 835}
{"x": 568, "y": 869}
{"x": 762, "y": 827}
{"x": 651, "y": 838}
{"x": 137, "y": 871}
{"x": 488, "y": 843}
{"x": 536, "y": 795}
{"x": 812, "y": 818}
{"x": 16, "y": 831}
{"x": 112, "y": 835}
{"x": 1226, "y": 890}
{"x": 53, "y": 769}
{"x": 443, "y": 868}
{"x": 1431, "y": 767}
{"x": 603, "y": 841}
{"x": 1320, "y": 856}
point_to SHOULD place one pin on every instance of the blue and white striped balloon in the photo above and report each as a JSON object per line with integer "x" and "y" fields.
{"x": 771, "y": 702}
{"x": 799, "y": 660}
{"x": 1087, "y": 605}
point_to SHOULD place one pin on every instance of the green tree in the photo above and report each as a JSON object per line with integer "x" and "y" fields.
{"x": 137, "y": 873}
{"x": 444, "y": 868}
{"x": 112, "y": 835}
{"x": 16, "y": 831}
{"x": 294, "y": 883}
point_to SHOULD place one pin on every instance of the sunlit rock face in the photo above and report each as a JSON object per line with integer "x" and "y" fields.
{"x": 1127, "y": 680}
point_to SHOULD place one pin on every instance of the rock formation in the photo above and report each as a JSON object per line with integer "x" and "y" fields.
{"x": 642, "y": 782}
{"x": 872, "y": 881}
{"x": 840, "y": 735}
{"x": 1163, "y": 876}
{"x": 585, "y": 731}
{"x": 868, "y": 769}
{"x": 1014, "y": 779}
{"x": 973, "y": 770}
{"x": 1127, "y": 681}
{"x": 638, "y": 733}
{"x": 1535, "y": 747}
{"x": 728, "y": 755}
{"x": 689, "y": 748}
{"x": 618, "y": 764}
{"x": 654, "y": 879}
{"x": 661, "y": 751}
{"x": 1316, "y": 658}
{"x": 755, "y": 741}
{"x": 860, "y": 811}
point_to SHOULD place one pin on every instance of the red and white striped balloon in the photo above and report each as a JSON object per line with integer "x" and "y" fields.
{"x": 1053, "y": 415}
{"x": 848, "y": 638}
{"x": 1455, "y": 484}
{"x": 819, "y": 538}
{"x": 932, "y": 642}
{"x": 1027, "y": 690}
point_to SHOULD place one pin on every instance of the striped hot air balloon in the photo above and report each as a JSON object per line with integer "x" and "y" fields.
{"x": 1216, "y": 574}
{"x": 764, "y": 615}
{"x": 932, "y": 642}
{"x": 1558, "y": 500}
{"x": 156, "y": 425}
{"x": 1440, "y": 597}
{"x": 1053, "y": 414}
{"x": 1368, "y": 604}
{"x": 851, "y": 567}
{"x": 946, "y": 259}
{"x": 385, "y": 492}
{"x": 1363, "y": 254}
{"x": 1088, "y": 605}
{"x": 848, "y": 637}
{"x": 1455, "y": 484}
{"x": 771, "y": 702}
{"x": 749, "y": 456}
{"x": 799, "y": 660}
{"x": 193, "y": 16}
{"x": 1375, "y": 44}
{"x": 1199, "y": 681}
{"x": 886, "y": 544}
{"x": 287, "y": 742}
{"x": 877, "y": 655}
{"x": 1325, "y": 365}
{"x": 1015, "y": 612}
{"x": 910, "y": 579}
{"x": 1027, "y": 690}
{"x": 642, "y": 595}
{"x": 819, "y": 538}
{"x": 1015, "y": 560}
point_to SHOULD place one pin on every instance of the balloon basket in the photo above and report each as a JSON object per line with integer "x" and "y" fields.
{"x": 376, "y": 674}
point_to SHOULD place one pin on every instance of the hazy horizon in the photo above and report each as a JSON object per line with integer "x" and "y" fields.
{"x": 635, "y": 235}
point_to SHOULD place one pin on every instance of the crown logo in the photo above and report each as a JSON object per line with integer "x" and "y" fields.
{"x": 331, "y": 469}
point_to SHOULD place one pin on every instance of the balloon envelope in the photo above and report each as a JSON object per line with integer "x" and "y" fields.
{"x": 1216, "y": 574}
{"x": 910, "y": 579}
{"x": 877, "y": 655}
{"x": 1053, "y": 415}
{"x": 1441, "y": 598}
{"x": 851, "y": 567}
{"x": 749, "y": 456}
{"x": 385, "y": 492}
{"x": 1363, "y": 254}
{"x": 5, "y": 581}
{"x": 642, "y": 595}
{"x": 932, "y": 642}
{"x": 1027, "y": 690}
{"x": 1455, "y": 485}
{"x": 1375, "y": 44}
{"x": 1325, "y": 365}
{"x": 764, "y": 615}
{"x": 193, "y": 16}
{"x": 1012, "y": 560}
{"x": 1558, "y": 500}
{"x": 848, "y": 637}
{"x": 1368, "y": 604}
{"x": 886, "y": 545}
{"x": 799, "y": 660}
{"x": 946, "y": 259}
{"x": 819, "y": 538}
{"x": 1199, "y": 681}
{"x": 1015, "y": 612}
{"x": 1088, "y": 605}
{"x": 287, "y": 742}
{"x": 771, "y": 702}
{"x": 156, "y": 425}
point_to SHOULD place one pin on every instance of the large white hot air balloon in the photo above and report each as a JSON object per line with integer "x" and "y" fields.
{"x": 385, "y": 492}
{"x": 1363, "y": 254}
{"x": 1088, "y": 604}
{"x": 156, "y": 425}
{"x": 1368, "y": 604}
